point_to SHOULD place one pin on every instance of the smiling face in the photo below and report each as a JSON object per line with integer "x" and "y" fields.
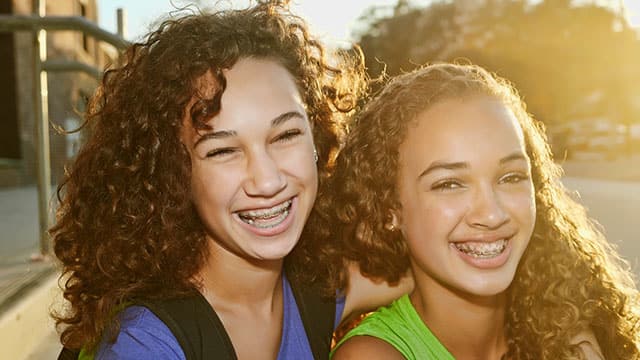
{"x": 468, "y": 207}
{"x": 254, "y": 178}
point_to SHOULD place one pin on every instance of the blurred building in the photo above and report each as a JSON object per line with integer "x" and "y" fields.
{"x": 67, "y": 91}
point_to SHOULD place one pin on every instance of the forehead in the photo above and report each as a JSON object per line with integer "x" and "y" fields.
{"x": 255, "y": 90}
{"x": 259, "y": 81}
{"x": 464, "y": 129}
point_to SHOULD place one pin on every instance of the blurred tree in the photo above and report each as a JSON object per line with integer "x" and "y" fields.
{"x": 568, "y": 61}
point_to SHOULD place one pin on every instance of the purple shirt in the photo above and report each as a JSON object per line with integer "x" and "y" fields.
{"x": 143, "y": 336}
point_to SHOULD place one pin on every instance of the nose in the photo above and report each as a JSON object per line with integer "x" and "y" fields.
{"x": 486, "y": 209}
{"x": 264, "y": 176}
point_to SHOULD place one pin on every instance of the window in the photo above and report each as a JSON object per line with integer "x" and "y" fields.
{"x": 9, "y": 136}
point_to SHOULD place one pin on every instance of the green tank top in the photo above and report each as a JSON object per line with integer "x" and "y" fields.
{"x": 400, "y": 325}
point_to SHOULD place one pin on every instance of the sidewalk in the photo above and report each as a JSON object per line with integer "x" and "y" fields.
{"x": 28, "y": 284}
{"x": 26, "y": 329}
{"x": 20, "y": 261}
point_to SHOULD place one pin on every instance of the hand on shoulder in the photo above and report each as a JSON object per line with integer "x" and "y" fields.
{"x": 365, "y": 294}
{"x": 366, "y": 347}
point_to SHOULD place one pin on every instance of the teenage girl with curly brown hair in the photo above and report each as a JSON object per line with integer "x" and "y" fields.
{"x": 205, "y": 152}
{"x": 446, "y": 173}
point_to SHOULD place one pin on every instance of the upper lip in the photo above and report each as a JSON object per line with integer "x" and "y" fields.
{"x": 488, "y": 237}
{"x": 264, "y": 206}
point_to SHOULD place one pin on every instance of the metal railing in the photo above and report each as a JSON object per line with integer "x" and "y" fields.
{"x": 38, "y": 24}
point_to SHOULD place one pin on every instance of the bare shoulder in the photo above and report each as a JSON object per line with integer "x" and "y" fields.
{"x": 588, "y": 344}
{"x": 366, "y": 347}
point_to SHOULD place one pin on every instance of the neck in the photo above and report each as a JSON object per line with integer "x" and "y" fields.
{"x": 231, "y": 281}
{"x": 245, "y": 291}
{"x": 469, "y": 326}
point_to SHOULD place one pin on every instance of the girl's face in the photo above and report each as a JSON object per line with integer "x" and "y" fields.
{"x": 468, "y": 207}
{"x": 254, "y": 178}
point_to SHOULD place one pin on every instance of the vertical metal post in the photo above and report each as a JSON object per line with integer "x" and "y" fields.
{"x": 41, "y": 109}
{"x": 122, "y": 22}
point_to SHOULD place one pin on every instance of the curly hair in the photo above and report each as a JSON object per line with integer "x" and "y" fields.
{"x": 569, "y": 279}
{"x": 126, "y": 227}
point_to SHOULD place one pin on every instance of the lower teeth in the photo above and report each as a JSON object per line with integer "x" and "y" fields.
{"x": 483, "y": 255}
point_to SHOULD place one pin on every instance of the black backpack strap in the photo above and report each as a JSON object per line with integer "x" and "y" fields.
{"x": 318, "y": 316}
{"x": 195, "y": 325}
{"x": 68, "y": 354}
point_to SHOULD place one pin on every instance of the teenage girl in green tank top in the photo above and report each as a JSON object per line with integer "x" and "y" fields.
{"x": 446, "y": 173}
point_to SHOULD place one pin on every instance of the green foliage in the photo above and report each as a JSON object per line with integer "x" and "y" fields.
{"x": 569, "y": 62}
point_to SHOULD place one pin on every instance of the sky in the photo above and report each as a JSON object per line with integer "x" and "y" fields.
{"x": 332, "y": 20}
{"x": 324, "y": 19}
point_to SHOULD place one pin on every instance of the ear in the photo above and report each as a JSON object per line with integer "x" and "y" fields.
{"x": 393, "y": 221}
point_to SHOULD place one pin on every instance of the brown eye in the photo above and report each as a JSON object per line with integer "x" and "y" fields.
{"x": 220, "y": 152}
{"x": 288, "y": 135}
{"x": 514, "y": 178}
{"x": 446, "y": 185}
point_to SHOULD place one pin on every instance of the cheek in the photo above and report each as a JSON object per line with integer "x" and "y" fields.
{"x": 199, "y": 195}
{"x": 523, "y": 207}
{"x": 212, "y": 187}
{"x": 300, "y": 164}
{"x": 424, "y": 215}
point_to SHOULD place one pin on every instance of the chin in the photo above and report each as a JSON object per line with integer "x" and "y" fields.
{"x": 490, "y": 285}
{"x": 488, "y": 290}
{"x": 276, "y": 251}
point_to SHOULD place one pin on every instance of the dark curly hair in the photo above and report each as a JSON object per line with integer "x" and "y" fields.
{"x": 569, "y": 279}
{"x": 126, "y": 227}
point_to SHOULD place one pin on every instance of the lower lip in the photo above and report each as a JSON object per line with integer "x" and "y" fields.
{"x": 486, "y": 263}
{"x": 276, "y": 230}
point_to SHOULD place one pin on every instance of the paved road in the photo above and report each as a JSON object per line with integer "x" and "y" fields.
{"x": 616, "y": 206}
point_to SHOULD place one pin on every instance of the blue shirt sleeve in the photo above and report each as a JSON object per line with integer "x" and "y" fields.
{"x": 142, "y": 336}
{"x": 340, "y": 300}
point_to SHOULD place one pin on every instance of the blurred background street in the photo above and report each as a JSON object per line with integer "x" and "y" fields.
{"x": 615, "y": 205}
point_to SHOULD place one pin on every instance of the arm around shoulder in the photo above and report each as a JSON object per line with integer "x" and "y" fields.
{"x": 365, "y": 294}
{"x": 366, "y": 347}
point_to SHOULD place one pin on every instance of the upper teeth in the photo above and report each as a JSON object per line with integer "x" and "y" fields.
{"x": 265, "y": 213}
{"x": 482, "y": 249}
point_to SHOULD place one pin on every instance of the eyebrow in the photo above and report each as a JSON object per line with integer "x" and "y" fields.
{"x": 514, "y": 157}
{"x": 440, "y": 165}
{"x": 278, "y": 120}
{"x": 285, "y": 117}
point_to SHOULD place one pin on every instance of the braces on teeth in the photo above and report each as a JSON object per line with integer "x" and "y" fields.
{"x": 483, "y": 250}
{"x": 265, "y": 213}
{"x": 273, "y": 216}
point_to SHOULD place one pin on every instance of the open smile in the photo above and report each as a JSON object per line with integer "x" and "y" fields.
{"x": 483, "y": 250}
{"x": 484, "y": 254}
{"x": 266, "y": 218}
